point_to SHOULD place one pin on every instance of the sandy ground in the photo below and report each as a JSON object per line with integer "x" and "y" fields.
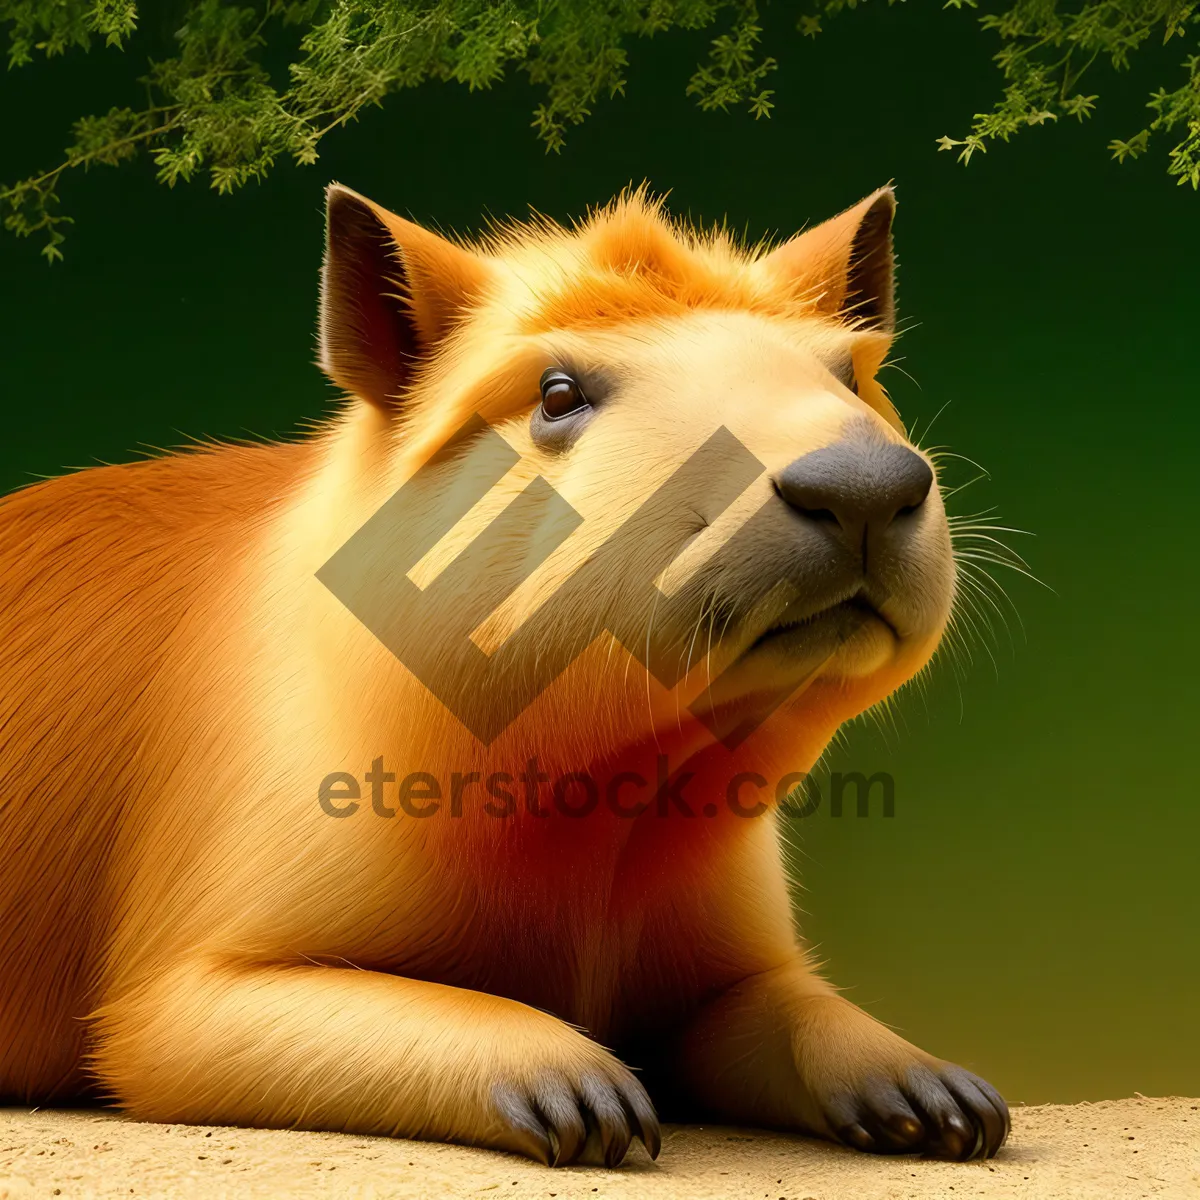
{"x": 1107, "y": 1151}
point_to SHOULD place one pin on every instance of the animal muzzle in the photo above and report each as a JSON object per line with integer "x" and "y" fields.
{"x": 861, "y": 491}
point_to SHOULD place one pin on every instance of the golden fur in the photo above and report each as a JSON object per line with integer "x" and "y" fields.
{"x": 185, "y": 931}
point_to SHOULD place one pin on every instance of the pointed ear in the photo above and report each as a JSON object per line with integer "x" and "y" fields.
{"x": 846, "y": 263}
{"x": 390, "y": 292}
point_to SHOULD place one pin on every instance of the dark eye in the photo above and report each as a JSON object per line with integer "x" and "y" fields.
{"x": 561, "y": 395}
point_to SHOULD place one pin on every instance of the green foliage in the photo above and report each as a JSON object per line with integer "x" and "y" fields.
{"x": 51, "y": 26}
{"x": 214, "y": 106}
{"x": 1047, "y": 49}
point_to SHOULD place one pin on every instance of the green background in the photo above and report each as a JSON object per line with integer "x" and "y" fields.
{"x": 1031, "y": 910}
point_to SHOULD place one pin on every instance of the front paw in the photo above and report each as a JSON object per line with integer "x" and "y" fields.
{"x": 933, "y": 1108}
{"x": 870, "y": 1089}
{"x": 585, "y": 1113}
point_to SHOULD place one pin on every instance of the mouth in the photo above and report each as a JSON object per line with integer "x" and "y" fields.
{"x": 825, "y": 631}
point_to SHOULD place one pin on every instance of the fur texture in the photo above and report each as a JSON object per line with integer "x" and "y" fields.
{"x": 186, "y": 931}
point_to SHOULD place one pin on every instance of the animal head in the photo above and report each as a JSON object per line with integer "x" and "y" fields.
{"x": 700, "y": 462}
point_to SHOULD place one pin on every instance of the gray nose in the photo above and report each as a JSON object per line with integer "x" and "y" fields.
{"x": 860, "y": 486}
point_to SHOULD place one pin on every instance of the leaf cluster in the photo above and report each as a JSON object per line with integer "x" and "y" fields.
{"x": 1049, "y": 47}
{"x": 214, "y": 107}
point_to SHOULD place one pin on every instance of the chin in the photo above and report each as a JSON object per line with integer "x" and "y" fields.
{"x": 876, "y": 663}
{"x": 873, "y": 647}
{"x": 832, "y": 677}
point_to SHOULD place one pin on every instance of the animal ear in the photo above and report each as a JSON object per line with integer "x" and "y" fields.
{"x": 390, "y": 293}
{"x": 846, "y": 263}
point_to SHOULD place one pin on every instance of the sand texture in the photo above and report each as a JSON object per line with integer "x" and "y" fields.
{"x": 1105, "y": 1151}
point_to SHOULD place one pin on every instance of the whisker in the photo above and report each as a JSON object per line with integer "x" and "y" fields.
{"x": 995, "y": 560}
{"x": 938, "y": 454}
{"x": 956, "y": 523}
{"x": 962, "y": 487}
{"x": 978, "y": 540}
{"x": 974, "y": 583}
{"x": 929, "y": 427}
{"x": 984, "y": 514}
{"x": 985, "y": 579}
{"x": 987, "y": 554}
{"x": 968, "y": 615}
{"x": 895, "y": 365}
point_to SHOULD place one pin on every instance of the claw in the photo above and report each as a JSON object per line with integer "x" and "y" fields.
{"x": 530, "y": 1135}
{"x": 560, "y": 1120}
{"x": 604, "y": 1100}
{"x": 941, "y": 1111}
{"x": 642, "y": 1119}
